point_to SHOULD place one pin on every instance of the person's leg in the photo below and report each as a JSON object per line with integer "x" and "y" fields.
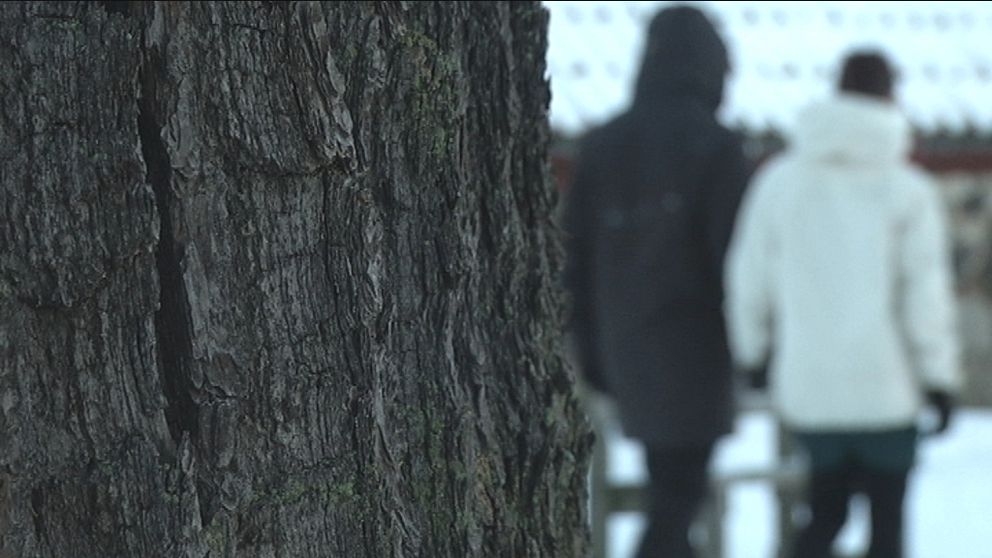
{"x": 830, "y": 486}
{"x": 886, "y": 491}
{"x": 676, "y": 489}
{"x": 887, "y": 457}
{"x": 828, "y": 496}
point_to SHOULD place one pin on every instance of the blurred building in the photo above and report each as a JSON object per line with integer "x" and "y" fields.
{"x": 785, "y": 54}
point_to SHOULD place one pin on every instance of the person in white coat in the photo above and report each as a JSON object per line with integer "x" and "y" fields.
{"x": 838, "y": 282}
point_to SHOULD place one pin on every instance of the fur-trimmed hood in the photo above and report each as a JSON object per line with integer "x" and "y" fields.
{"x": 852, "y": 128}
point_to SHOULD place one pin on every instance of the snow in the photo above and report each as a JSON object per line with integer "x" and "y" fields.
{"x": 948, "y": 507}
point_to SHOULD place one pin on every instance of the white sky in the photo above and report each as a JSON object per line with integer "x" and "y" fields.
{"x": 784, "y": 55}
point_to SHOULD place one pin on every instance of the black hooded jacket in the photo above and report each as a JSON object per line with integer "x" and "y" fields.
{"x": 648, "y": 218}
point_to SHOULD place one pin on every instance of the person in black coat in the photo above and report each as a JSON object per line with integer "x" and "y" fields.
{"x": 648, "y": 219}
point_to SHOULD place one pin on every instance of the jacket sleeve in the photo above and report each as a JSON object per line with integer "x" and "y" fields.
{"x": 928, "y": 303}
{"x": 579, "y": 224}
{"x": 748, "y": 278}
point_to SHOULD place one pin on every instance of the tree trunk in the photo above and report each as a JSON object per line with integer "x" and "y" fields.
{"x": 278, "y": 279}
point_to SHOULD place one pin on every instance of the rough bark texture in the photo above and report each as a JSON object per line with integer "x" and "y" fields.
{"x": 278, "y": 279}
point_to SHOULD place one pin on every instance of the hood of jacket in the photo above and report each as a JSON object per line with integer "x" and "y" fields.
{"x": 683, "y": 57}
{"x": 853, "y": 129}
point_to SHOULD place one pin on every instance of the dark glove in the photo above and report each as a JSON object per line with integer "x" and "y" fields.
{"x": 757, "y": 377}
{"x": 943, "y": 406}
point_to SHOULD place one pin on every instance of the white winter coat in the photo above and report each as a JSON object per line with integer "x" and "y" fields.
{"x": 839, "y": 269}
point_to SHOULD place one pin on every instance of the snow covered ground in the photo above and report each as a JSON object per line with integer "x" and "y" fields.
{"x": 949, "y": 505}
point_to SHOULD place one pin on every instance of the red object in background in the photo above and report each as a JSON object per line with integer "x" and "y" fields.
{"x": 977, "y": 161}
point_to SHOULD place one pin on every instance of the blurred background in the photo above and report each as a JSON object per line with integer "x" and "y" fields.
{"x": 784, "y": 55}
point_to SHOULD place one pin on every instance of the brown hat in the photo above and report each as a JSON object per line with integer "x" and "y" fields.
{"x": 867, "y": 73}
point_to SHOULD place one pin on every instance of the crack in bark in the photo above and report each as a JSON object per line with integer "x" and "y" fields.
{"x": 37, "y": 515}
{"x": 172, "y": 320}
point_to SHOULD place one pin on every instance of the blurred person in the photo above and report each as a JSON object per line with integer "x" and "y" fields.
{"x": 648, "y": 218}
{"x": 839, "y": 266}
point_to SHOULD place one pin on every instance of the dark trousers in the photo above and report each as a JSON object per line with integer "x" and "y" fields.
{"x": 676, "y": 488}
{"x": 876, "y": 465}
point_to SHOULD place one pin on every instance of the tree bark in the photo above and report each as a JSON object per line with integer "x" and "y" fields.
{"x": 278, "y": 279}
